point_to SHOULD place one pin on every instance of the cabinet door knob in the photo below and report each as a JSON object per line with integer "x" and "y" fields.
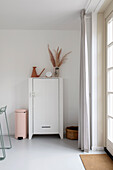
{"x": 33, "y": 94}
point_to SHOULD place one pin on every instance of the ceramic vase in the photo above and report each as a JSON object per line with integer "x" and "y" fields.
{"x": 56, "y": 71}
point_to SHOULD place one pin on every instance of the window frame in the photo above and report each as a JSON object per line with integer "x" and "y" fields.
{"x": 108, "y": 93}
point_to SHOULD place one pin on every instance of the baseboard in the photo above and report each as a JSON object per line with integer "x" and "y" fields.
{"x": 108, "y": 153}
{"x": 11, "y": 134}
{"x": 7, "y": 134}
{"x": 97, "y": 148}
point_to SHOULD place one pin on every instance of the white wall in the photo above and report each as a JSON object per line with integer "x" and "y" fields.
{"x": 22, "y": 49}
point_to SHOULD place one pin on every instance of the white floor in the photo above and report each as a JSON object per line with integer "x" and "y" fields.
{"x": 43, "y": 153}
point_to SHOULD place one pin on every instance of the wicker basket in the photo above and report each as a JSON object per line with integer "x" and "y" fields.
{"x": 72, "y": 132}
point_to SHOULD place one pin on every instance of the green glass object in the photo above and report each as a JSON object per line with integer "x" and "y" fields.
{"x": 2, "y": 145}
{"x": 3, "y": 111}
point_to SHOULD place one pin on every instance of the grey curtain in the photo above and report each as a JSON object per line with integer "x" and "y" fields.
{"x": 84, "y": 116}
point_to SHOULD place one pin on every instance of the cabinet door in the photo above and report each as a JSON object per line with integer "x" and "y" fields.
{"x": 45, "y": 106}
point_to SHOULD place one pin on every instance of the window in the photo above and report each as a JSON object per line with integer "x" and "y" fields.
{"x": 110, "y": 82}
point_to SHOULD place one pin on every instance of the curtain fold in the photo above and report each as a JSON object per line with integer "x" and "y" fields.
{"x": 84, "y": 115}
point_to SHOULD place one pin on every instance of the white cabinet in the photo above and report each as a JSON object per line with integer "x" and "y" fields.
{"x": 45, "y": 106}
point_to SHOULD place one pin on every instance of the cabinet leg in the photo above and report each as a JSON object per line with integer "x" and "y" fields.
{"x": 30, "y": 136}
{"x": 61, "y": 135}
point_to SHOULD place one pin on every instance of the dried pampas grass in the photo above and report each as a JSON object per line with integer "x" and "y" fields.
{"x": 64, "y": 58}
{"x": 51, "y": 57}
{"x": 57, "y": 61}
